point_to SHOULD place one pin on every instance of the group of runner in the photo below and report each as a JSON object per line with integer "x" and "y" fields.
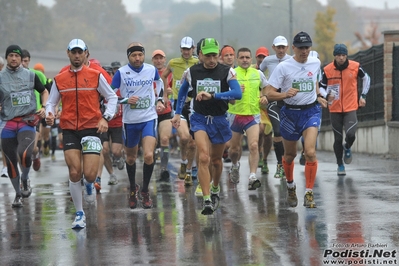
{"x": 211, "y": 103}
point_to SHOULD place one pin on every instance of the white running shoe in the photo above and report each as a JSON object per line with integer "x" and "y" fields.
{"x": 80, "y": 220}
{"x": 234, "y": 174}
{"x": 112, "y": 180}
{"x": 4, "y": 172}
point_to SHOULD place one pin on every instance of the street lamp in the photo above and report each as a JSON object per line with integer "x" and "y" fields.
{"x": 290, "y": 22}
{"x": 221, "y": 22}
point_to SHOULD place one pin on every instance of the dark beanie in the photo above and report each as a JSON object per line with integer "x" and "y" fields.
{"x": 340, "y": 49}
{"x": 13, "y": 49}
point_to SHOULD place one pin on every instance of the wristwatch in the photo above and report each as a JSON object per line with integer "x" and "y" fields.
{"x": 160, "y": 99}
{"x": 212, "y": 93}
{"x": 107, "y": 117}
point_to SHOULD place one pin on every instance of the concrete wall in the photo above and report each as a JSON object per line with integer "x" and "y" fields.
{"x": 372, "y": 139}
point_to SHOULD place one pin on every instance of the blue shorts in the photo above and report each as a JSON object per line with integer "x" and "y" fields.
{"x": 240, "y": 123}
{"x": 133, "y": 132}
{"x": 217, "y": 127}
{"x": 293, "y": 121}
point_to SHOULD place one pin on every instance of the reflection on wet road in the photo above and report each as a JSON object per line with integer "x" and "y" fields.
{"x": 354, "y": 213}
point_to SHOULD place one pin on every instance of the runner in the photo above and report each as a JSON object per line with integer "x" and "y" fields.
{"x": 300, "y": 116}
{"x": 212, "y": 85}
{"x": 81, "y": 120}
{"x": 265, "y": 125}
{"x": 280, "y": 47}
{"x": 177, "y": 66}
{"x": 244, "y": 117}
{"x": 136, "y": 84}
{"x": 164, "y": 117}
{"x": 340, "y": 79}
{"x": 19, "y": 113}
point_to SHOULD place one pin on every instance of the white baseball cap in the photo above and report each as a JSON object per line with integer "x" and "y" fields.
{"x": 314, "y": 54}
{"x": 187, "y": 42}
{"x": 77, "y": 43}
{"x": 280, "y": 40}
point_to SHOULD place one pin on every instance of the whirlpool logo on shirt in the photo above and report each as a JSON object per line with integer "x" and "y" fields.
{"x": 137, "y": 82}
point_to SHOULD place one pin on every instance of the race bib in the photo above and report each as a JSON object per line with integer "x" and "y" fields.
{"x": 208, "y": 86}
{"x": 20, "y": 98}
{"x": 142, "y": 103}
{"x": 334, "y": 90}
{"x": 91, "y": 144}
{"x": 177, "y": 84}
{"x": 303, "y": 85}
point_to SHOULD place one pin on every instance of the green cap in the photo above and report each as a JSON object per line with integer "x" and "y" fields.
{"x": 209, "y": 46}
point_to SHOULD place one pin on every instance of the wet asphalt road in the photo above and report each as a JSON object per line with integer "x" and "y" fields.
{"x": 357, "y": 213}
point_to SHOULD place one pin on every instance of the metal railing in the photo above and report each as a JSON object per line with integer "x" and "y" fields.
{"x": 395, "y": 83}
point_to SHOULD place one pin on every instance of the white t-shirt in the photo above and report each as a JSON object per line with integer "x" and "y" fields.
{"x": 270, "y": 62}
{"x": 302, "y": 76}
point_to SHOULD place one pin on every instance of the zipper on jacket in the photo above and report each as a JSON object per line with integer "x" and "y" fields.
{"x": 76, "y": 92}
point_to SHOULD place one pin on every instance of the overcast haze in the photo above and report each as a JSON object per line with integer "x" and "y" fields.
{"x": 132, "y": 6}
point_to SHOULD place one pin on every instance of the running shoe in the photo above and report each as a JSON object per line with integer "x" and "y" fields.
{"x": 17, "y": 201}
{"x": 146, "y": 201}
{"x": 157, "y": 154}
{"x": 279, "y": 171}
{"x": 182, "y": 172}
{"x": 302, "y": 159}
{"x": 4, "y": 172}
{"x": 225, "y": 156}
{"x": 89, "y": 194}
{"x": 208, "y": 208}
{"x": 120, "y": 163}
{"x": 36, "y": 164}
{"x": 97, "y": 184}
{"x": 347, "y": 155}
{"x": 291, "y": 197}
{"x": 235, "y": 174}
{"x": 134, "y": 197}
{"x": 188, "y": 180}
{"x": 53, "y": 158}
{"x": 227, "y": 160}
{"x": 26, "y": 190}
{"x": 80, "y": 220}
{"x": 341, "y": 170}
{"x": 253, "y": 183}
{"x": 265, "y": 168}
{"x": 112, "y": 180}
{"x": 309, "y": 200}
{"x": 198, "y": 191}
{"x": 164, "y": 175}
{"x": 215, "y": 191}
{"x": 46, "y": 151}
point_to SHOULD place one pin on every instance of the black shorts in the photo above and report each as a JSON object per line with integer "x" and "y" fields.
{"x": 113, "y": 133}
{"x": 164, "y": 117}
{"x": 72, "y": 138}
{"x": 43, "y": 122}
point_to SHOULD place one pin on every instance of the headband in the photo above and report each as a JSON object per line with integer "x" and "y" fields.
{"x": 227, "y": 50}
{"x": 135, "y": 48}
